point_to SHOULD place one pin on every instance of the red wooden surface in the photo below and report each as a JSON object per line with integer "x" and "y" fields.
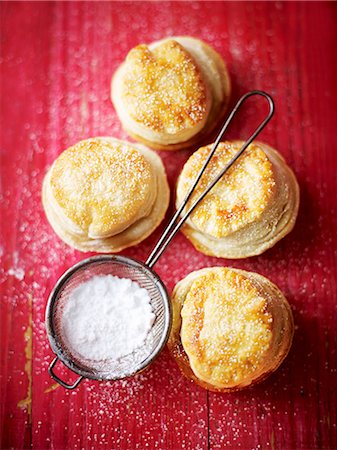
{"x": 57, "y": 60}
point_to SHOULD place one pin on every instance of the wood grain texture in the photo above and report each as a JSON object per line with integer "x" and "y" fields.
{"x": 57, "y": 61}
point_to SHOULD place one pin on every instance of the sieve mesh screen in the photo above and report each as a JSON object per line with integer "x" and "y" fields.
{"x": 121, "y": 267}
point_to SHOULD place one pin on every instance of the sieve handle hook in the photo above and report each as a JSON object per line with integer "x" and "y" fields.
{"x": 175, "y": 224}
{"x": 58, "y": 380}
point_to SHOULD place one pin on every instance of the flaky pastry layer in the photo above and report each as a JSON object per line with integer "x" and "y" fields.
{"x": 249, "y": 210}
{"x": 101, "y": 186}
{"x": 172, "y": 93}
{"x": 137, "y": 230}
{"x": 231, "y": 328}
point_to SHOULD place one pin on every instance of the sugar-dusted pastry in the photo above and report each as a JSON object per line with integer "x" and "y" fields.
{"x": 231, "y": 328}
{"x": 172, "y": 93}
{"x": 251, "y": 208}
{"x": 104, "y": 195}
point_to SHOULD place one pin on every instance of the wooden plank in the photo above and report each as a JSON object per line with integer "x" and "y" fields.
{"x": 58, "y": 59}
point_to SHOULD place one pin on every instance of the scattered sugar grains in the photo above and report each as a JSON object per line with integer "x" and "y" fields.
{"x": 107, "y": 317}
{"x": 18, "y": 273}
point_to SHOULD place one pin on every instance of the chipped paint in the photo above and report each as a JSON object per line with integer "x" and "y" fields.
{"x": 272, "y": 440}
{"x": 26, "y": 403}
{"x": 52, "y": 388}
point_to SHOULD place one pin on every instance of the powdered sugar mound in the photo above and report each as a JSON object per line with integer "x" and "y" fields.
{"x": 107, "y": 317}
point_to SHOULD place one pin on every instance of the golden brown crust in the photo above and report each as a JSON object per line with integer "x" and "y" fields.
{"x": 225, "y": 335}
{"x": 249, "y": 210}
{"x": 102, "y": 186}
{"x": 231, "y": 328}
{"x": 164, "y": 79}
{"x": 202, "y": 138}
{"x": 180, "y": 98}
{"x": 238, "y": 199}
{"x": 140, "y": 217}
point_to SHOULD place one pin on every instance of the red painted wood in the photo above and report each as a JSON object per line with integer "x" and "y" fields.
{"x": 57, "y": 61}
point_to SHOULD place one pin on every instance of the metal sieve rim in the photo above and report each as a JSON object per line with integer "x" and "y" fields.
{"x": 54, "y": 296}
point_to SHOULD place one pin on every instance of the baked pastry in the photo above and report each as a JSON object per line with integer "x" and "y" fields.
{"x": 104, "y": 195}
{"x": 251, "y": 208}
{"x": 172, "y": 93}
{"x": 231, "y": 328}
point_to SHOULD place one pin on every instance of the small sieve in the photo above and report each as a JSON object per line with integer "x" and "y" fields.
{"x": 142, "y": 273}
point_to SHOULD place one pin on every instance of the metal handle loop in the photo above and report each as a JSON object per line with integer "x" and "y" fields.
{"x": 166, "y": 238}
{"x": 58, "y": 380}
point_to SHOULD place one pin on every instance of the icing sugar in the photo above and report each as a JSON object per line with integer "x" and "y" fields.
{"x": 107, "y": 317}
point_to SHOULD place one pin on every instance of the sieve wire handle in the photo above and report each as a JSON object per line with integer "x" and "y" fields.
{"x": 173, "y": 227}
{"x": 58, "y": 380}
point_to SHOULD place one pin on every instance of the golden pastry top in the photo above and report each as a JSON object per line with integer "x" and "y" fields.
{"x": 163, "y": 88}
{"x": 239, "y": 198}
{"x": 226, "y": 328}
{"x": 102, "y": 185}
